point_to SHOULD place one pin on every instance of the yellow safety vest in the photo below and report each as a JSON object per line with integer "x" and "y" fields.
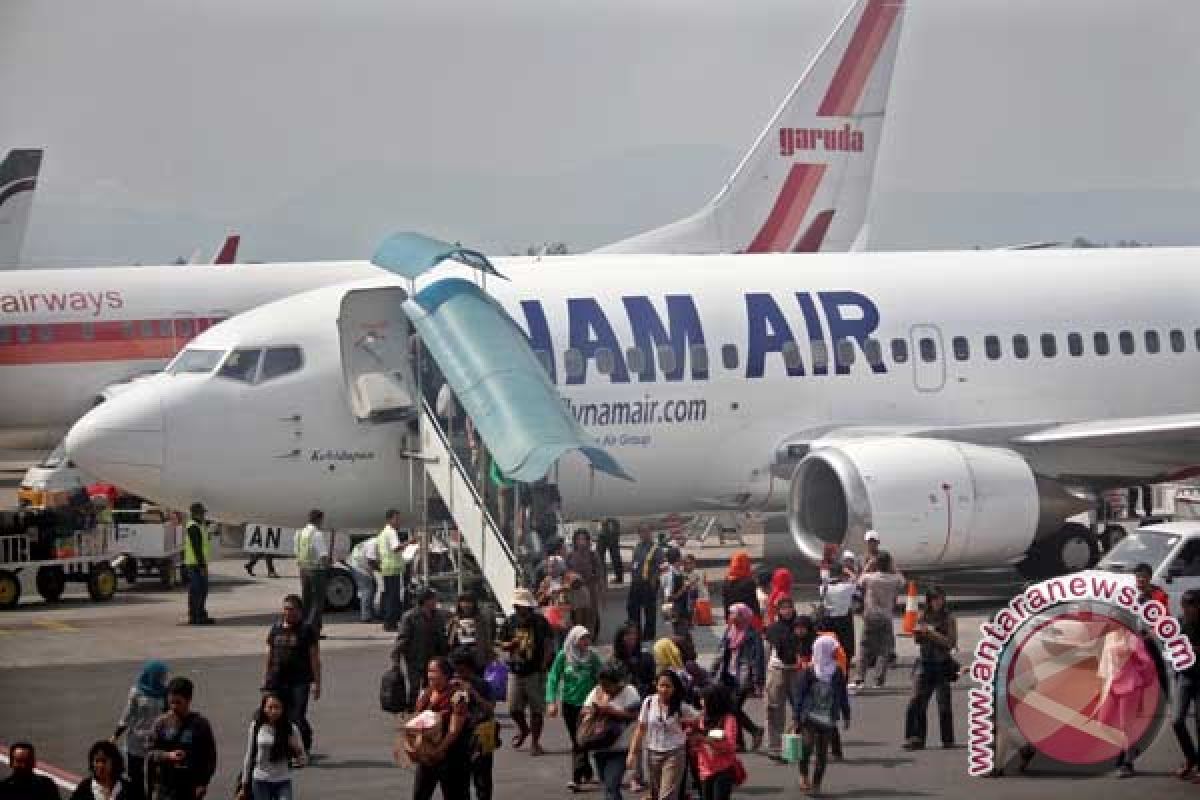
{"x": 189, "y": 554}
{"x": 305, "y": 555}
{"x": 390, "y": 562}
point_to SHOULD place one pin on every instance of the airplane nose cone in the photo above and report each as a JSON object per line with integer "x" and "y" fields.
{"x": 121, "y": 441}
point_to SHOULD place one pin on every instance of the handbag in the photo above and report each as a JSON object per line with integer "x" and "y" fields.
{"x": 596, "y": 732}
{"x": 951, "y": 669}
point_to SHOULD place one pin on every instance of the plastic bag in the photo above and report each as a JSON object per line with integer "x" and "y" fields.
{"x": 496, "y": 677}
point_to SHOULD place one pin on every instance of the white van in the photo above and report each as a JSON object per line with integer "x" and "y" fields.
{"x": 1172, "y": 549}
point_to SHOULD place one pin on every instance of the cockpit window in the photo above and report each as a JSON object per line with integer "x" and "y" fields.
{"x": 242, "y": 365}
{"x": 280, "y": 361}
{"x": 195, "y": 361}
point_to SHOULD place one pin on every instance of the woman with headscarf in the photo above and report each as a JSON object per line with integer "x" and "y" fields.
{"x": 147, "y": 701}
{"x": 572, "y": 678}
{"x": 782, "y": 662}
{"x": 741, "y": 667}
{"x": 588, "y": 596}
{"x": 1127, "y": 670}
{"x": 821, "y": 700}
{"x": 640, "y": 669}
{"x": 739, "y": 587}
{"x": 781, "y": 588}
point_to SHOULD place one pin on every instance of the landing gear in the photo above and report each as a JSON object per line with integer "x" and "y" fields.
{"x": 1072, "y": 549}
{"x": 339, "y": 591}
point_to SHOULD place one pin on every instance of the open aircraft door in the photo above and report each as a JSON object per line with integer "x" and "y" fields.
{"x": 928, "y": 358}
{"x": 376, "y": 347}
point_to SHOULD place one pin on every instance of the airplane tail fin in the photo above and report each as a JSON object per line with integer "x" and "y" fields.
{"x": 18, "y": 179}
{"x": 228, "y": 252}
{"x": 804, "y": 185}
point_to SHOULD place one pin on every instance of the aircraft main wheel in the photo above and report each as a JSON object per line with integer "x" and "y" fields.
{"x": 51, "y": 583}
{"x": 102, "y": 583}
{"x": 10, "y": 590}
{"x": 340, "y": 591}
{"x": 1075, "y": 548}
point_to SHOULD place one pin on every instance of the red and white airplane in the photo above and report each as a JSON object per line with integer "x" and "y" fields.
{"x": 18, "y": 181}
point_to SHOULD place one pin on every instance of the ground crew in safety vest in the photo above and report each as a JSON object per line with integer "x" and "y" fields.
{"x": 197, "y": 552}
{"x": 312, "y": 557}
{"x": 390, "y": 545}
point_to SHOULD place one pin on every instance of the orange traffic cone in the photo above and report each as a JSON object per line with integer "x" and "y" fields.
{"x": 910, "y": 609}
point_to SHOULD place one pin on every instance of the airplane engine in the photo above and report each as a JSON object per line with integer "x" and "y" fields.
{"x": 935, "y": 503}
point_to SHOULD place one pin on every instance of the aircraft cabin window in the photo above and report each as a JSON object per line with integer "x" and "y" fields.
{"x": 573, "y": 363}
{"x": 635, "y": 359}
{"x": 5, "y": 334}
{"x": 280, "y": 361}
{"x": 928, "y": 350}
{"x": 126, "y": 330}
{"x": 1100, "y": 343}
{"x": 605, "y": 361}
{"x": 962, "y": 348}
{"x": 1075, "y": 344}
{"x": 164, "y": 327}
{"x": 195, "y": 361}
{"x": 146, "y": 328}
{"x": 699, "y": 358}
{"x": 1020, "y": 346}
{"x": 729, "y": 355}
{"x": 791, "y": 355}
{"x": 88, "y": 331}
{"x": 991, "y": 346}
{"x": 1125, "y": 338}
{"x": 874, "y": 351}
{"x": 666, "y": 358}
{"x": 899, "y": 351}
{"x": 24, "y": 334}
{"x": 183, "y": 327}
{"x": 241, "y": 365}
{"x": 1049, "y": 345}
{"x": 1178, "y": 341}
{"x": 1153, "y": 345}
{"x": 820, "y": 356}
{"x": 45, "y": 333}
{"x": 845, "y": 352}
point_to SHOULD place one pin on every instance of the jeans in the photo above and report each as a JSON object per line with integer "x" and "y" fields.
{"x": 927, "y": 681}
{"x": 581, "y": 769}
{"x": 364, "y": 581}
{"x": 197, "y": 593}
{"x": 878, "y": 644}
{"x": 718, "y": 786}
{"x": 642, "y": 607}
{"x": 296, "y": 699}
{"x": 454, "y": 779}
{"x": 611, "y": 766}
{"x": 393, "y": 596}
{"x": 312, "y": 593}
{"x": 779, "y": 700}
{"x": 666, "y": 771}
{"x": 269, "y": 790}
{"x": 1187, "y": 703}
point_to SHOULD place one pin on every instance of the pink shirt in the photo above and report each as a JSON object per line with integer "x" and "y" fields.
{"x": 718, "y": 755}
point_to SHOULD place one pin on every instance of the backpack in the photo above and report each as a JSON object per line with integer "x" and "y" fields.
{"x": 821, "y": 700}
{"x": 393, "y": 691}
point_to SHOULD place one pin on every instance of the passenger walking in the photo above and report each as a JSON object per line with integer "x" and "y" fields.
{"x": 294, "y": 666}
{"x": 572, "y": 678}
{"x": 642, "y": 602}
{"x": 716, "y": 746}
{"x": 197, "y": 552}
{"x": 147, "y": 702}
{"x": 881, "y": 584}
{"x": 273, "y": 745}
{"x": 183, "y": 752}
{"x": 741, "y": 667}
{"x": 481, "y": 719}
{"x": 421, "y": 638}
{"x": 739, "y": 587}
{"x": 784, "y": 645}
{"x": 837, "y": 602}
{"x": 1126, "y": 669}
{"x": 609, "y": 542}
{"x": 449, "y": 764}
{"x": 1187, "y": 690}
{"x": 24, "y": 783}
{"x": 253, "y": 562}
{"x": 106, "y": 776}
{"x": 390, "y": 546}
{"x": 781, "y": 589}
{"x": 617, "y": 704}
{"x": 936, "y": 636}
{"x": 363, "y": 563}
{"x": 872, "y": 541}
{"x": 528, "y": 641}
{"x": 660, "y": 728}
{"x": 586, "y": 601}
{"x": 821, "y": 701}
{"x": 312, "y": 558}
{"x": 640, "y": 670}
{"x": 470, "y": 629}
{"x": 678, "y": 597}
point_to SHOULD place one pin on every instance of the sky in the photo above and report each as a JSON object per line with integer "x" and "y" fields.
{"x": 315, "y": 129}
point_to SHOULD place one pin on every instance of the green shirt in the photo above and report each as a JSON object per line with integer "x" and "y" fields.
{"x": 576, "y": 682}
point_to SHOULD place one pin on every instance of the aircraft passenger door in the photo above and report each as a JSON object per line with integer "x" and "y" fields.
{"x": 377, "y": 355}
{"x": 928, "y": 358}
{"x": 183, "y": 328}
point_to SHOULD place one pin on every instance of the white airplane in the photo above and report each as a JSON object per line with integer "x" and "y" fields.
{"x": 18, "y": 181}
{"x": 68, "y": 335}
{"x": 964, "y": 403}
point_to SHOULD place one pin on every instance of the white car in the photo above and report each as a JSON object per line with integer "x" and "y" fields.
{"x": 1172, "y": 549}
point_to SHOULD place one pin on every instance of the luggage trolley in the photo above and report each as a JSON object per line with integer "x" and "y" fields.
{"x": 44, "y": 559}
{"x": 150, "y": 543}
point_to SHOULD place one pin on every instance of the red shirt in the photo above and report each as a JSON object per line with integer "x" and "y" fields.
{"x": 718, "y": 755}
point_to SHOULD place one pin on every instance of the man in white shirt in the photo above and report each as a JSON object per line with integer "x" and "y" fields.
{"x": 837, "y": 600}
{"x": 390, "y": 548}
{"x": 312, "y": 557}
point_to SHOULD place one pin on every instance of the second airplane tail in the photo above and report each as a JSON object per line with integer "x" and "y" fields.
{"x": 18, "y": 179}
{"x": 804, "y": 185}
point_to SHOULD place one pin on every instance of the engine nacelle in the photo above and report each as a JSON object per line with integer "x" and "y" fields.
{"x": 935, "y": 503}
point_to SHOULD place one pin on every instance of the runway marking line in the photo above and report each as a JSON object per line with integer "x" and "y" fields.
{"x": 65, "y": 780}
{"x": 55, "y": 625}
